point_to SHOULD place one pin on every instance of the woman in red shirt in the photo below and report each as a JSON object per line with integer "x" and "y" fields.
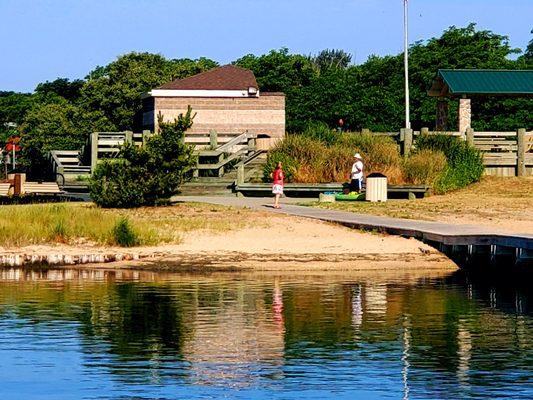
{"x": 277, "y": 183}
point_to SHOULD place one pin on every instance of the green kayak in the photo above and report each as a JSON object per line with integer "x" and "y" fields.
{"x": 353, "y": 196}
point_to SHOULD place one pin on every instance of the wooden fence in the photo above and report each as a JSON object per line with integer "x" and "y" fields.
{"x": 504, "y": 153}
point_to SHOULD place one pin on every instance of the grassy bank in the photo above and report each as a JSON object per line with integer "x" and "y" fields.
{"x": 75, "y": 223}
{"x": 320, "y": 155}
{"x": 497, "y": 202}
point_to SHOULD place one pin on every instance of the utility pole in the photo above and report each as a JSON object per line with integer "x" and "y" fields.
{"x": 406, "y": 64}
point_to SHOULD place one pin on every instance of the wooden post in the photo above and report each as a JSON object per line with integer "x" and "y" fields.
{"x": 19, "y": 181}
{"x": 251, "y": 143}
{"x": 213, "y": 139}
{"x": 521, "y": 152}
{"x": 470, "y": 136}
{"x": 128, "y": 136}
{"x": 240, "y": 174}
{"x": 407, "y": 141}
{"x": 146, "y": 135}
{"x": 424, "y": 131}
{"x": 94, "y": 150}
{"x": 60, "y": 171}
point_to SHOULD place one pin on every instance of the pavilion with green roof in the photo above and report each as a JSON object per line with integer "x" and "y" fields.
{"x": 470, "y": 83}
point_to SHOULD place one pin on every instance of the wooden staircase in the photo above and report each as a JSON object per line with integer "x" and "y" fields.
{"x": 216, "y": 172}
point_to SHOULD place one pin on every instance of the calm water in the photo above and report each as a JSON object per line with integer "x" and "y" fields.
{"x": 71, "y": 334}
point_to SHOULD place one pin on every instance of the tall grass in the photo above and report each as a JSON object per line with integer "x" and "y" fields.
{"x": 424, "y": 167}
{"x": 72, "y": 223}
{"x": 318, "y": 155}
{"x": 464, "y": 162}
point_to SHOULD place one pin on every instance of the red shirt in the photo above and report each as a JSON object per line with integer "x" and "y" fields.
{"x": 278, "y": 177}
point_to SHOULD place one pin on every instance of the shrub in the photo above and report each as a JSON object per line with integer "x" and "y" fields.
{"x": 123, "y": 233}
{"x": 146, "y": 175}
{"x": 318, "y": 155}
{"x": 321, "y": 132}
{"x": 59, "y": 232}
{"x": 290, "y": 165}
{"x": 117, "y": 183}
{"x": 424, "y": 167}
{"x": 465, "y": 163}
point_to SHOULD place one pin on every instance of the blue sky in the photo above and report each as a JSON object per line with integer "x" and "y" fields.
{"x": 44, "y": 39}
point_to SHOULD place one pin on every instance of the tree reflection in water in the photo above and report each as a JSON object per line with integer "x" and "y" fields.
{"x": 441, "y": 337}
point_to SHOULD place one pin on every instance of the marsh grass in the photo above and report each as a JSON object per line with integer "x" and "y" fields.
{"x": 424, "y": 167}
{"x": 317, "y": 157}
{"x": 72, "y": 223}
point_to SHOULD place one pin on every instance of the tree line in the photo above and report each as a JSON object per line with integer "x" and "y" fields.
{"x": 325, "y": 87}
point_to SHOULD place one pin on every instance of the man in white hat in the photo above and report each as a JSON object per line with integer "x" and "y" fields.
{"x": 356, "y": 175}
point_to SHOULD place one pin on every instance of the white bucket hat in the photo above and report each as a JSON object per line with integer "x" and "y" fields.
{"x": 357, "y": 155}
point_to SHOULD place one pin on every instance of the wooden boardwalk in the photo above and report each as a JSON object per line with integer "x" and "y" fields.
{"x": 460, "y": 242}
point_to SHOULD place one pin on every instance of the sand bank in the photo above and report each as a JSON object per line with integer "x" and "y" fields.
{"x": 274, "y": 242}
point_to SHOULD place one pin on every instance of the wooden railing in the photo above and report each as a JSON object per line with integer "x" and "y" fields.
{"x": 67, "y": 166}
{"x": 216, "y": 160}
{"x": 504, "y": 153}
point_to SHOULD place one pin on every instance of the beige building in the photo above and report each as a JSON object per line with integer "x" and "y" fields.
{"x": 225, "y": 99}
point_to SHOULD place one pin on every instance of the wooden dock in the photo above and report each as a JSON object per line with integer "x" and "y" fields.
{"x": 467, "y": 245}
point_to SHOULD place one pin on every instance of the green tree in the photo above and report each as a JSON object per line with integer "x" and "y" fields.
{"x": 62, "y": 87}
{"x": 528, "y": 54}
{"x": 115, "y": 90}
{"x": 279, "y": 71}
{"x": 53, "y": 126}
{"x": 149, "y": 174}
{"x": 331, "y": 58}
{"x": 13, "y": 107}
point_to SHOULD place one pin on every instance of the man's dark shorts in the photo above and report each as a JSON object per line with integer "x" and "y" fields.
{"x": 355, "y": 185}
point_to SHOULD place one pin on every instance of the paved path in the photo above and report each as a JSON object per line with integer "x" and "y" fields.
{"x": 447, "y": 234}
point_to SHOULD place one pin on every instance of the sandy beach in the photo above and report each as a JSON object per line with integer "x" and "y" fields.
{"x": 267, "y": 242}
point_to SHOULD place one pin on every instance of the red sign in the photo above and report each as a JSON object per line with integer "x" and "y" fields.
{"x": 13, "y": 143}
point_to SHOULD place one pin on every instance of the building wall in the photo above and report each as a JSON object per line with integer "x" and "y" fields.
{"x": 263, "y": 115}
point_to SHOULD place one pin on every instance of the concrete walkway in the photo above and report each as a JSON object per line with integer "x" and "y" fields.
{"x": 436, "y": 232}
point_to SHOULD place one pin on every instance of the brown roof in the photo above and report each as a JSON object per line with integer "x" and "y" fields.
{"x": 227, "y": 77}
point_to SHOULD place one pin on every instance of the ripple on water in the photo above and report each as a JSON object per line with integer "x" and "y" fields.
{"x": 128, "y": 335}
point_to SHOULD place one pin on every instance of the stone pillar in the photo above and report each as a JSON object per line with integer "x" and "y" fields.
{"x": 407, "y": 141}
{"x": 465, "y": 115}
{"x": 521, "y": 152}
{"x": 442, "y": 115}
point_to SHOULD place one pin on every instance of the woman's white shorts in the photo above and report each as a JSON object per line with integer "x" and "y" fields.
{"x": 277, "y": 189}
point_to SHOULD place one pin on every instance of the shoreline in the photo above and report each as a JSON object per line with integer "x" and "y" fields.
{"x": 260, "y": 241}
{"x": 167, "y": 259}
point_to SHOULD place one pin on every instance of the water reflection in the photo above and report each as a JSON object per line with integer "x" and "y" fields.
{"x": 165, "y": 335}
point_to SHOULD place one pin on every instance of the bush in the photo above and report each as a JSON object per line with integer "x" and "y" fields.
{"x": 424, "y": 167}
{"x": 145, "y": 175}
{"x": 322, "y": 155}
{"x": 289, "y": 165}
{"x": 59, "y": 232}
{"x": 465, "y": 163}
{"x": 115, "y": 183}
{"x": 321, "y": 132}
{"x": 123, "y": 233}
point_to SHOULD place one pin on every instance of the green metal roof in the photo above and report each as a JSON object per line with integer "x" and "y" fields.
{"x": 479, "y": 81}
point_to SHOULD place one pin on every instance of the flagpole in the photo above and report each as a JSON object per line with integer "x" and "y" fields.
{"x": 406, "y": 64}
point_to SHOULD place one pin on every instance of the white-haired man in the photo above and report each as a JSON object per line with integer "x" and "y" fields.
{"x": 356, "y": 176}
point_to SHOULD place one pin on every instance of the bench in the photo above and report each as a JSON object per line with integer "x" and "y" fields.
{"x": 314, "y": 189}
{"x": 4, "y": 189}
{"x": 42, "y": 188}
